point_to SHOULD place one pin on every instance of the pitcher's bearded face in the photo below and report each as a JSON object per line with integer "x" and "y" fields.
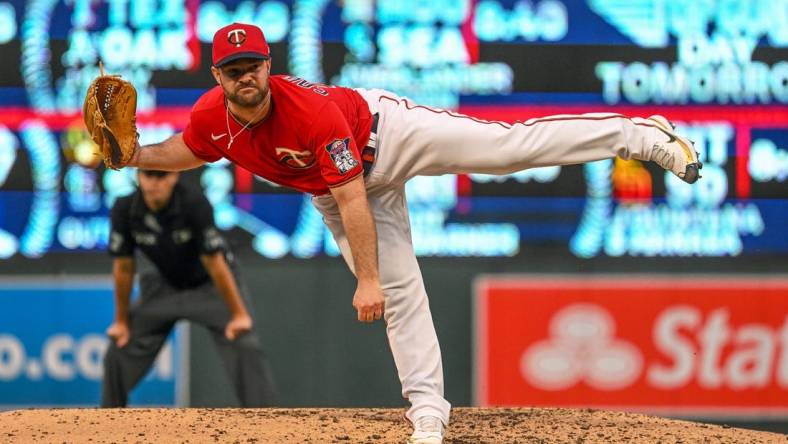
{"x": 245, "y": 82}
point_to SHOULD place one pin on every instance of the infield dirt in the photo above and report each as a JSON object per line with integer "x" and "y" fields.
{"x": 469, "y": 426}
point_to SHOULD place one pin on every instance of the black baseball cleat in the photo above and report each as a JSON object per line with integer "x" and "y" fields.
{"x": 676, "y": 154}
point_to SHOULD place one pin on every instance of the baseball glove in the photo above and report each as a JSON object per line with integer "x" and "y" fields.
{"x": 110, "y": 116}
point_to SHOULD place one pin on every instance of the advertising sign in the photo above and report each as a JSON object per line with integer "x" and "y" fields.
{"x": 649, "y": 343}
{"x": 52, "y": 345}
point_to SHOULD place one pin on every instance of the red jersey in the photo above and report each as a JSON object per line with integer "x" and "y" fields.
{"x": 309, "y": 141}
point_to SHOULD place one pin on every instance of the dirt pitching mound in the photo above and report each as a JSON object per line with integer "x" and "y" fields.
{"x": 469, "y": 425}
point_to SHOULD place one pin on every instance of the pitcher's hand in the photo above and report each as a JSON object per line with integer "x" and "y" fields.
{"x": 368, "y": 301}
{"x": 238, "y": 325}
{"x": 119, "y": 332}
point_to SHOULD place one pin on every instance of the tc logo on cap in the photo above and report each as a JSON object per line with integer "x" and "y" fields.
{"x": 236, "y": 37}
{"x": 236, "y": 41}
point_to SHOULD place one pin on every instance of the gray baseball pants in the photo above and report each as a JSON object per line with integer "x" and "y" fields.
{"x": 416, "y": 140}
{"x": 151, "y": 318}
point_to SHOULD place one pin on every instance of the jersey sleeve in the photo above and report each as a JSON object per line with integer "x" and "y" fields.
{"x": 198, "y": 142}
{"x": 207, "y": 236}
{"x": 336, "y": 151}
{"x": 121, "y": 242}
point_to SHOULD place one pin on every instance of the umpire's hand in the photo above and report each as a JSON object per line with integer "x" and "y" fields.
{"x": 119, "y": 332}
{"x": 239, "y": 324}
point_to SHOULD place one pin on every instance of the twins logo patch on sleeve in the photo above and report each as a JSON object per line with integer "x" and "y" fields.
{"x": 341, "y": 155}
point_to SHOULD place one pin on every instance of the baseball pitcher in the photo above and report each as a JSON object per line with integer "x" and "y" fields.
{"x": 354, "y": 149}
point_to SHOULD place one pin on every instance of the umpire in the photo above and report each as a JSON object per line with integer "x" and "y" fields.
{"x": 195, "y": 278}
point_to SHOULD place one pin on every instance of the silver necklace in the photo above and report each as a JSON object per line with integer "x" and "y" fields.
{"x": 233, "y": 136}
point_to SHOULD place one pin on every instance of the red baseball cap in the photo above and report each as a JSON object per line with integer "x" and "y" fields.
{"x": 239, "y": 41}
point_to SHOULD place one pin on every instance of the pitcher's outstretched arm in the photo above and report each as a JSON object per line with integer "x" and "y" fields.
{"x": 169, "y": 155}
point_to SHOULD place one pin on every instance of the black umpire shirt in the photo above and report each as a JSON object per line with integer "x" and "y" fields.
{"x": 173, "y": 238}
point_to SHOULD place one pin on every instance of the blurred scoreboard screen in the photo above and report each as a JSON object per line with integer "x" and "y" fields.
{"x": 719, "y": 69}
